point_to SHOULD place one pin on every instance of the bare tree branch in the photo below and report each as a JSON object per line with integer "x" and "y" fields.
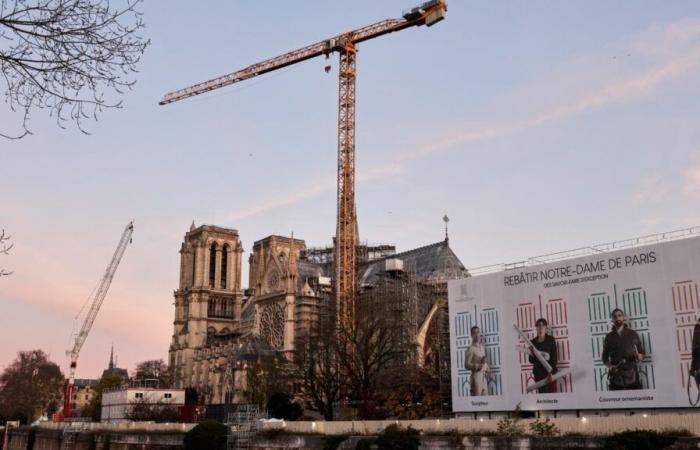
{"x": 73, "y": 58}
{"x": 5, "y": 248}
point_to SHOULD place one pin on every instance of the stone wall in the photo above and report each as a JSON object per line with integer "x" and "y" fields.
{"x": 583, "y": 425}
{"x": 462, "y": 434}
{"x": 73, "y": 438}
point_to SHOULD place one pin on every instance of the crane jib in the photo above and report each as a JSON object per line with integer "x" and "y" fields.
{"x": 428, "y": 13}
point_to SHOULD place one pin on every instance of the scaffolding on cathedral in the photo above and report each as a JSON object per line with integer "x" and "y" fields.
{"x": 365, "y": 253}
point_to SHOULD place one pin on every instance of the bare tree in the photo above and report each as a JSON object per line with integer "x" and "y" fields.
{"x": 70, "y": 57}
{"x": 154, "y": 369}
{"x": 156, "y": 411}
{"x": 5, "y": 248}
{"x": 317, "y": 363}
{"x": 370, "y": 349}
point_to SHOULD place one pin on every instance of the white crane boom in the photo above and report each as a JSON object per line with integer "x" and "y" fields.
{"x": 95, "y": 305}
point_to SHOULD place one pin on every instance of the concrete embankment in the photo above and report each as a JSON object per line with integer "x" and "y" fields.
{"x": 453, "y": 434}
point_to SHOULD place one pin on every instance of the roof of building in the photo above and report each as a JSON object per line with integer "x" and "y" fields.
{"x": 85, "y": 382}
{"x": 431, "y": 263}
{"x": 115, "y": 372}
{"x": 253, "y": 350}
{"x": 112, "y": 371}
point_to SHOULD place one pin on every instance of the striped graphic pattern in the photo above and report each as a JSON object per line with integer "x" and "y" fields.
{"x": 634, "y": 303}
{"x": 556, "y": 313}
{"x": 488, "y": 321}
{"x": 686, "y": 306}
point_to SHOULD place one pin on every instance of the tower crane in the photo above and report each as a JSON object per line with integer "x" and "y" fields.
{"x": 428, "y": 13}
{"x": 95, "y": 304}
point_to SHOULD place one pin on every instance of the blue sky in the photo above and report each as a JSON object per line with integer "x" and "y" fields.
{"x": 536, "y": 126}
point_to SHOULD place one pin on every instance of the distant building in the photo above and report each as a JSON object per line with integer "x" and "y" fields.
{"x": 83, "y": 393}
{"x": 218, "y": 326}
{"x": 118, "y": 403}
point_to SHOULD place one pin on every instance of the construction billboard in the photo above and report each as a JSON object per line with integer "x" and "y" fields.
{"x": 615, "y": 329}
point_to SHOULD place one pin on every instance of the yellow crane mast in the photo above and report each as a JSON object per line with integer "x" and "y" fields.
{"x": 428, "y": 13}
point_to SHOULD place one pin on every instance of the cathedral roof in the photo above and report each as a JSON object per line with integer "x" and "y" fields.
{"x": 431, "y": 263}
{"x": 253, "y": 350}
{"x": 248, "y": 312}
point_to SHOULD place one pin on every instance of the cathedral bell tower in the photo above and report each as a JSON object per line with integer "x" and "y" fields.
{"x": 273, "y": 276}
{"x": 208, "y": 300}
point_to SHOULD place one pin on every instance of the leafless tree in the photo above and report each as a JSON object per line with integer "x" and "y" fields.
{"x": 154, "y": 369}
{"x": 72, "y": 58}
{"x": 5, "y": 247}
{"x": 369, "y": 350}
{"x": 317, "y": 363}
{"x": 156, "y": 411}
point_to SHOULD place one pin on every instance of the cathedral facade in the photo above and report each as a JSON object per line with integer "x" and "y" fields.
{"x": 219, "y": 327}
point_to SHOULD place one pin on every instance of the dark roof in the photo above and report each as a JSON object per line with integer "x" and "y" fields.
{"x": 248, "y": 311}
{"x": 116, "y": 372}
{"x": 432, "y": 263}
{"x": 85, "y": 382}
{"x": 254, "y": 349}
{"x": 308, "y": 270}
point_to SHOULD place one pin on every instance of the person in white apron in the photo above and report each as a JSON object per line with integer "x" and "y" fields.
{"x": 476, "y": 362}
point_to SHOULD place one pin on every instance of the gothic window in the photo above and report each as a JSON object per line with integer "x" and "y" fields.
{"x": 224, "y": 266}
{"x": 220, "y": 307}
{"x": 193, "y": 260}
{"x": 272, "y": 325}
{"x": 212, "y": 265}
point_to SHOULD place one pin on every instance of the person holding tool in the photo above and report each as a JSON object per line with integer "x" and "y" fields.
{"x": 622, "y": 353}
{"x": 546, "y": 345}
{"x": 475, "y": 361}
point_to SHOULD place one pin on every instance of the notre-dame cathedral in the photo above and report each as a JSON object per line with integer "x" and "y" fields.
{"x": 219, "y": 326}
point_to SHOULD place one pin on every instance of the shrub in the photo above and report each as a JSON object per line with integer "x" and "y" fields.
{"x": 364, "y": 444}
{"x": 394, "y": 437}
{"x": 207, "y": 435}
{"x": 638, "y": 440}
{"x": 677, "y": 432}
{"x": 509, "y": 426}
{"x": 543, "y": 428}
{"x": 281, "y": 406}
{"x": 332, "y": 442}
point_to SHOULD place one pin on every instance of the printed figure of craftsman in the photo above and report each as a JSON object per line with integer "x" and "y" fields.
{"x": 622, "y": 353}
{"x": 475, "y": 361}
{"x": 547, "y": 346}
{"x": 695, "y": 355}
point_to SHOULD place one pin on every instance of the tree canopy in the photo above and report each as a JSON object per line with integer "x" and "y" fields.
{"x": 153, "y": 369}
{"x": 30, "y": 386}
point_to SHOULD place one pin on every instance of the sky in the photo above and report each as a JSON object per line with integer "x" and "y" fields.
{"x": 535, "y": 126}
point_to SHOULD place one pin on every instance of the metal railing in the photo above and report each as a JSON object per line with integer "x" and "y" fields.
{"x": 591, "y": 250}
